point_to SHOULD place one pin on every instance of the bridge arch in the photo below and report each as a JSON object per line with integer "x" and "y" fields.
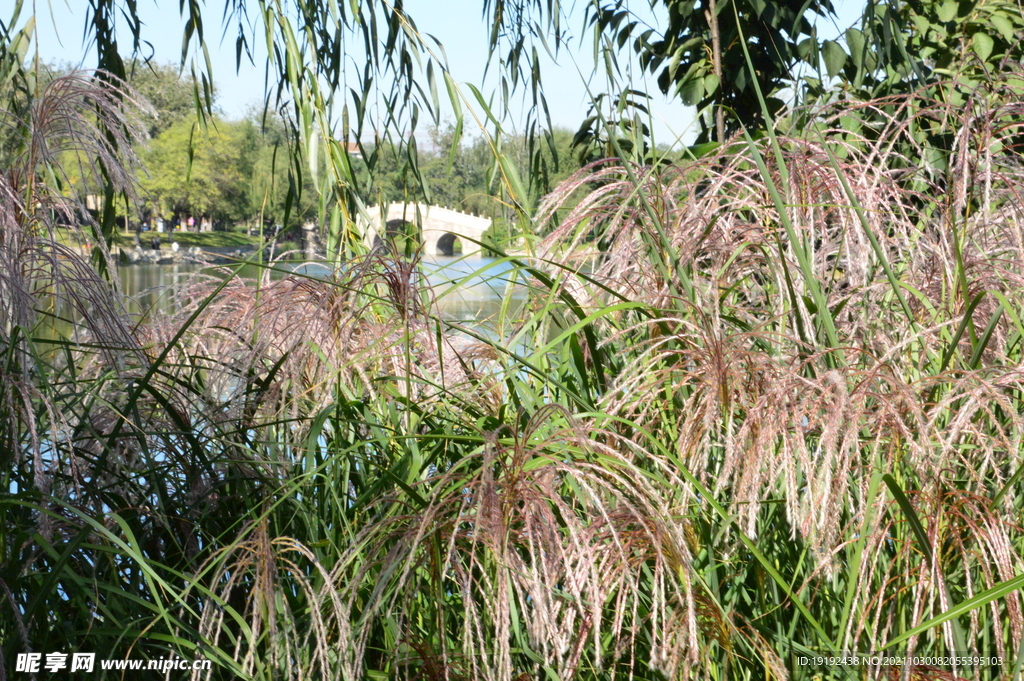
{"x": 398, "y": 228}
{"x": 449, "y": 244}
{"x": 438, "y": 228}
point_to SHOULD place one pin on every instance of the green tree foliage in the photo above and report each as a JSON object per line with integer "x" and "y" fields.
{"x": 234, "y": 171}
{"x": 456, "y": 174}
{"x": 700, "y": 55}
{"x": 965, "y": 54}
{"x": 197, "y": 171}
{"x": 461, "y": 174}
{"x": 404, "y": 74}
{"x": 900, "y": 47}
{"x": 171, "y": 95}
{"x": 277, "y": 192}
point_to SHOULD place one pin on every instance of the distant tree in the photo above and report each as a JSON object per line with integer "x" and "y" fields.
{"x": 171, "y": 94}
{"x": 277, "y": 191}
{"x": 196, "y": 171}
{"x": 460, "y": 172}
{"x": 455, "y": 178}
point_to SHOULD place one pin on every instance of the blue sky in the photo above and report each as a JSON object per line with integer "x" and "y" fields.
{"x": 457, "y": 24}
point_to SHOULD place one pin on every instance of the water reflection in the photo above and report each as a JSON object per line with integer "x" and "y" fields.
{"x": 470, "y": 290}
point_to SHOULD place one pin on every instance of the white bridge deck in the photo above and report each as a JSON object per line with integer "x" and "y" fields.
{"x": 439, "y": 227}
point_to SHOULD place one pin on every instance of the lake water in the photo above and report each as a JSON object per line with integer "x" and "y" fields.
{"x": 470, "y": 290}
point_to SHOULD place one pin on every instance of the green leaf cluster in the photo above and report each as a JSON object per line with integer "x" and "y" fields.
{"x": 780, "y": 36}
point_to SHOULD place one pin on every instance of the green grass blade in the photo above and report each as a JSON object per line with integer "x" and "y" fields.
{"x": 980, "y": 600}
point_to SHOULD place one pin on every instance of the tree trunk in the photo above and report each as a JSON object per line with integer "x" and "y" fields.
{"x": 711, "y": 14}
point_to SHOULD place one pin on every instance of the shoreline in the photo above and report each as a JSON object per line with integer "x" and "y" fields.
{"x": 166, "y": 255}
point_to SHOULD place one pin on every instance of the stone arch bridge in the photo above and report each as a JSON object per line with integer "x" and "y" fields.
{"x": 438, "y": 227}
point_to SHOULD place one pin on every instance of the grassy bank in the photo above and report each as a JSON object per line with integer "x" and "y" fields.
{"x": 73, "y": 237}
{"x": 199, "y": 239}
